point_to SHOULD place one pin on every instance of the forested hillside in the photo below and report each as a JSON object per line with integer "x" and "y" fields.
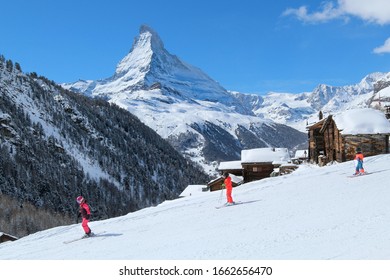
{"x": 55, "y": 145}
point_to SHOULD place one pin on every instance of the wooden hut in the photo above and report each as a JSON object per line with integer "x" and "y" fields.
{"x": 4, "y": 237}
{"x": 324, "y": 141}
{"x": 216, "y": 184}
{"x": 232, "y": 167}
{"x": 336, "y": 138}
{"x": 260, "y": 163}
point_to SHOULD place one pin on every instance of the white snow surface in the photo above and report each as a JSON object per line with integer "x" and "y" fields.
{"x": 315, "y": 213}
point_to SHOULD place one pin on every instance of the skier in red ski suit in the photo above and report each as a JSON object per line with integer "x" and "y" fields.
{"x": 229, "y": 188}
{"x": 85, "y": 214}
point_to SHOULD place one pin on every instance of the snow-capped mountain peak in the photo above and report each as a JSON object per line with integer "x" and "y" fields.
{"x": 145, "y": 45}
{"x": 183, "y": 104}
{"x": 368, "y": 82}
{"x": 149, "y": 65}
{"x": 149, "y": 34}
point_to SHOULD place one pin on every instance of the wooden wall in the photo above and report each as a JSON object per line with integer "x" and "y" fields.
{"x": 371, "y": 145}
{"x": 333, "y": 142}
{"x": 216, "y": 184}
{"x": 316, "y": 142}
{"x": 257, "y": 171}
{"x": 237, "y": 172}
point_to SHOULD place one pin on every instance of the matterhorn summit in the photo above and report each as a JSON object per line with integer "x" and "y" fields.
{"x": 149, "y": 66}
{"x": 199, "y": 117}
{"x": 136, "y": 64}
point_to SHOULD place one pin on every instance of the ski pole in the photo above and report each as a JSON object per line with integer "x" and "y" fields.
{"x": 220, "y": 197}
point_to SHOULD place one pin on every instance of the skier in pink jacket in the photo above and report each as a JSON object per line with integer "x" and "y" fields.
{"x": 85, "y": 214}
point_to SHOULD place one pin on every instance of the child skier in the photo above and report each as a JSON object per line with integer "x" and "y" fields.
{"x": 359, "y": 162}
{"x": 85, "y": 214}
{"x": 229, "y": 188}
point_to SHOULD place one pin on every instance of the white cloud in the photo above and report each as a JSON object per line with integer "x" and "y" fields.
{"x": 327, "y": 13}
{"x": 383, "y": 49}
{"x": 376, "y": 11}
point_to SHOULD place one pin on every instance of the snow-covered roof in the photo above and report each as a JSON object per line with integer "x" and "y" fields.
{"x": 230, "y": 165}
{"x": 9, "y": 235}
{"x": 274, "y": 155}
{"x": 301, "y": 154}
{"x": 236, "y": 179}
{"x": 192, "y": 190}
{"x": 362, "y": 121}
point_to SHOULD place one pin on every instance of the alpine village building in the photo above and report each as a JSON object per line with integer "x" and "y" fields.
{"x": 336, "y": 137}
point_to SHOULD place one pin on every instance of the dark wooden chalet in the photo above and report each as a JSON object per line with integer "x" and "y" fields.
{"x": 216, "y": 184}
{"x": 231, "y": 167}
{"x": 260, "y": 163}
{"x": 336, "y": 138}
{"x": 324, "y": 140}
{"x": 4, "y": 237}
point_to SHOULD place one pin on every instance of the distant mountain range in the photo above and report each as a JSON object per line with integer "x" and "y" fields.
{"x": 206, "y": 122}
{"x": 199, "y": 117}
{"x": 296, "y": 110}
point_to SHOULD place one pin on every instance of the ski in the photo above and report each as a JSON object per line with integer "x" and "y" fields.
{"x": 359, "y": 175}
{"x": 228, "y": 205}
{"x": 80, "y": 238}
{"x": 238, "y": 203}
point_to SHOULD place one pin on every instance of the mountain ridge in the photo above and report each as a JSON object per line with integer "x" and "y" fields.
{"x": 296, "y": 110}
{"x": 177, "y": 99}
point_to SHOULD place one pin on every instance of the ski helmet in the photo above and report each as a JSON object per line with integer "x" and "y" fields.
{"x": 79, "y": 199}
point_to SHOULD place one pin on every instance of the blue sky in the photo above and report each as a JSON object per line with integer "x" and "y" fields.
{"x": 246, "y": 45}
